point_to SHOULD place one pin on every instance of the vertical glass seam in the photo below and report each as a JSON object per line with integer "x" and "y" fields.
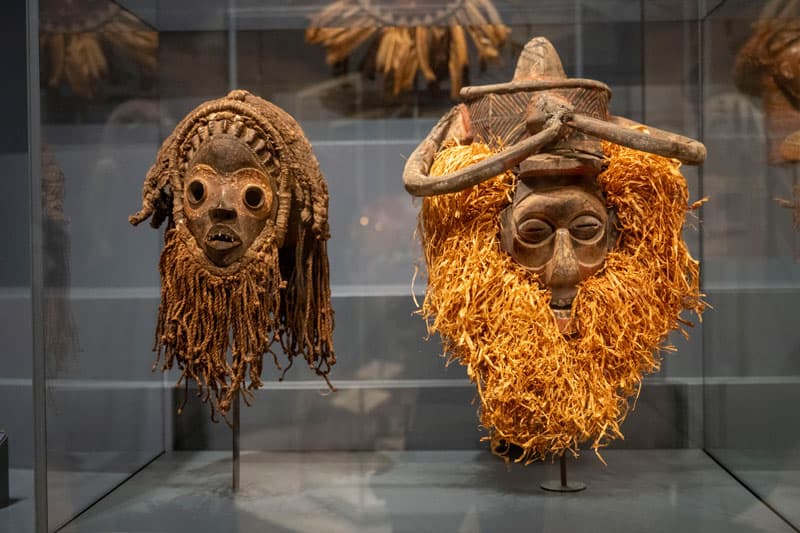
{"x": 642, "y": 60}
{"x": 37, "y": 279}
{"x": 701, "y": 89}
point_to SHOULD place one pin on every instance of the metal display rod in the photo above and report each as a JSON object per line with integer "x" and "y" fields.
{"x": 235, "y": 431}
{"x": 563, "y": 485}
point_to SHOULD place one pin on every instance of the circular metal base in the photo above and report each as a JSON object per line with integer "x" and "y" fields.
{"x": 556, "y": 486}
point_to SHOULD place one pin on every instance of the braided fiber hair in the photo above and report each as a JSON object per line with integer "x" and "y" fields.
{"x": 277, "y": 291}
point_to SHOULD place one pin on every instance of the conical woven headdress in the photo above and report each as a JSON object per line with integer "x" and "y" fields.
{"x": 540, "y": 111}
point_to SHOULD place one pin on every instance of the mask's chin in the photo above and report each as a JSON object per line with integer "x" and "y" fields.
{"x": 561, "y": 307}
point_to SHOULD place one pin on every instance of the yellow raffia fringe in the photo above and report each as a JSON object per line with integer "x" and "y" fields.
{"x": 539, "y": 390}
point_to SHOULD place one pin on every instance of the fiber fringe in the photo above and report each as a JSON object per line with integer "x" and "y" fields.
{"x": 433, "y": 43}
{"x": 203, "y": 314}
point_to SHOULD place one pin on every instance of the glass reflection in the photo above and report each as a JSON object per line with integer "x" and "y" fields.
{"x": 752, "y": 123}
{"x": 104, "y": 408}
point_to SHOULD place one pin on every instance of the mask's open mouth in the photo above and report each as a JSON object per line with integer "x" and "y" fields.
{"x": 561, "y": 304}
{"x": 222, "y": 238}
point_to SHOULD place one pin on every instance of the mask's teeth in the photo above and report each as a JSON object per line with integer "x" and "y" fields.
{"x": 223, "y": 237}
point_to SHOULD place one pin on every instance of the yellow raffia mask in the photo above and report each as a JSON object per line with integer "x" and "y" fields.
{"x": 539, "y": 389}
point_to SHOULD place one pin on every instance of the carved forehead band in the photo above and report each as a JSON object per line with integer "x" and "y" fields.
{"x": 231, "y": 125}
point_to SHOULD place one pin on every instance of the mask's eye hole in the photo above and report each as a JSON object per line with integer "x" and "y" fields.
{"x": 585, "y": 227}
{"x": 534, "y": 230}
{"x": 253, "y": 197}
{"x": 197, "y": 191}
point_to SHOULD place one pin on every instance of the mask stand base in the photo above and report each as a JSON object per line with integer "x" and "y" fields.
{"x": 235, "y": 444}
{"x": 563, "y": 485}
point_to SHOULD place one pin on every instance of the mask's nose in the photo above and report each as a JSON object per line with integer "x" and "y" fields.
{"x": 561, "y": 275}
{"x": 225, "y": 210}
{"x": 222, "y": 214}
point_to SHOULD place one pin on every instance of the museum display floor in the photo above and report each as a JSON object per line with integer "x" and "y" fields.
{"x": 420, "y": 491}
{"x": 774, "y": 475}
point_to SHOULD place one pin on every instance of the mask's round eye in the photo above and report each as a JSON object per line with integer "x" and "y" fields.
{"x": 534, "y": 230}
{"x": 585, "y": 227}
{"x": 253, "y": 197}
{"x": 196, "y": 191}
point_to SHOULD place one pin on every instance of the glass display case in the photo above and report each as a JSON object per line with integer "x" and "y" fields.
{"x": 750, "y": 250}
{"x": 95, "y": 442}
